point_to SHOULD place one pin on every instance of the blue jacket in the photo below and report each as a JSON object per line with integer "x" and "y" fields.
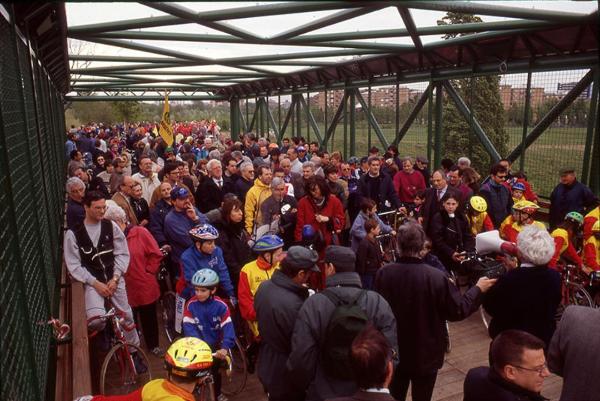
{"x": 193, "y": 260}
{"x": 565, "y": 199}
{"x": 75, "y": 214}
{"x": 357, "y": 232}
{"x": 157, "y": 221}
{"x": 499, "y": 201}
{"x": 176, "y": 228}
{"x": 209, "y": 321}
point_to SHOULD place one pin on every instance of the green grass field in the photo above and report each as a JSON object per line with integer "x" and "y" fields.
{"x": 557, "y": 147}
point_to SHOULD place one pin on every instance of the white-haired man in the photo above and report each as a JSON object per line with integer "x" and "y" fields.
{"x": 527, "y": 298}
{"x": 75, "y": 211}
{"x": 209, "y": 194}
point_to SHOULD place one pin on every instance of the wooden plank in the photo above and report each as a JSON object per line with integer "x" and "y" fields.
{"x": 82, "y": 382}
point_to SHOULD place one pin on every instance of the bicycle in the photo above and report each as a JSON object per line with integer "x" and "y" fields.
{"x": 118, "y": 374}
{"x": 573, "y": 290}
{"x": 388, "y": 247}
{"x": 235, "y": 377}
{"x": 393, "y": 218}
{"x": 168, "y": 299}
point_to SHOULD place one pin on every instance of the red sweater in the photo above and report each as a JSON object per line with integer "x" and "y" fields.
{"x": 144, "y": 261}
{"x": 307, "y": 210}
{"x": 407, "y": 185}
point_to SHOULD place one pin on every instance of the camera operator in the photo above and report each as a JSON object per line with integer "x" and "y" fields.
{"x": 526, "y": 298}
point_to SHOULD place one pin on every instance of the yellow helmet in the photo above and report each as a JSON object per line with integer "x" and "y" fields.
{"x": 478, "y": 203}
{"x": 526, "y": 206}
{"x": 596, "y": 227}
{"x": 189, "y": 357}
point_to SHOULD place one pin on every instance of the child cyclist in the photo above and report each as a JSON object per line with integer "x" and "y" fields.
{"x": 204, "y": 254}
{"x": 207, "y": 317}
{"x": 479, "y": 220}
{"x": 564, "y": 240}
{"x": 522, "y": 216}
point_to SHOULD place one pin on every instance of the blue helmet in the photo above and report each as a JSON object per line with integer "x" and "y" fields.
{"x": 204, "y": 232}
{"x": 268, "y": 242}
{"x": 518, "y": 186}
{"x": 205, "y": 278}
{"x": 308, "y": 233}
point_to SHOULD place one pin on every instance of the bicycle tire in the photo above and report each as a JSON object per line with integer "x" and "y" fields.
{"x": 168, "y": 302}
{"x": 236, "y": 382}
{"x": 578, "y": 295}
{"x": 117, "y": 376}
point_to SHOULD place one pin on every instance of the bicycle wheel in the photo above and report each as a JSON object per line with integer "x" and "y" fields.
{"x": 206, "y": 391}
{"x": 485, "y": 318}
{"x": 578, "y": 295}
{"x": 234, "y": 381}
{"x": 168, "y": 314}
{"x": 118, "y": 375}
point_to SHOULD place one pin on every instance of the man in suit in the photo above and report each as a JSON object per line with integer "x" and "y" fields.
{"x": 122, "y": 198}
{"x": 433, "y": 196}
{"x": 371, "y": 358}
{"x": 209, "y": 194}
{"x": 573, "y": 353}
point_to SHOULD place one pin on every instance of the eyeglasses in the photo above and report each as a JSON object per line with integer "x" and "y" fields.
{"x": 539, "y": 370}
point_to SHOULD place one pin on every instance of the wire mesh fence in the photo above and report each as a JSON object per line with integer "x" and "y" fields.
{"x": 31, "y": 178}
{"x": 506, "y": 107}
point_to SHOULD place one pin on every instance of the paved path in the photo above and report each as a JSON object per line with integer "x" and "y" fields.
{"x": 470, "y": 345}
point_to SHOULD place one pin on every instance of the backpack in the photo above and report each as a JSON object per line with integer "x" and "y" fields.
{"x": 347, "y": 320}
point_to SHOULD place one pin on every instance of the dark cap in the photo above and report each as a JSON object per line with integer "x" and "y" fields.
{"x": 342, "y": 258}
{"x": 422, "y": 159}
{"x": 179, "y": 193}
{"x": 301, "y": 258}
{"x": 566, "y": 170}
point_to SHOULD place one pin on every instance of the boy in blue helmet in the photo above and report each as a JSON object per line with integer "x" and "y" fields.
{"x": 207, "y": 317}
{"x": 204, "y": 254}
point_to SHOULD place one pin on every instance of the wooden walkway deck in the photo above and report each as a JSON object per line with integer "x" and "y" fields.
{"x": 470, "y": 344}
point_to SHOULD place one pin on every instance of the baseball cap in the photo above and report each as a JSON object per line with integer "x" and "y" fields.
{"x": 566, "y": 170}
{"x": 422, "y": 159}
{"x": 343, "y": 258}
{"x": 301, "y": 258}
{"x": 300, "y": 149}
{"x": 179, "y": 192}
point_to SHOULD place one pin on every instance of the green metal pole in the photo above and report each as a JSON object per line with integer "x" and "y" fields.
{"x": 267, "y": 116}
{"x": 438, "y": 125}
{"x": 353, "y": 123}
{"x": 369, "y": 125}
{"x": 325, "y": 94}
{"x": 586, "y": 174}
{"x": 397, "y": 126}
{"x": 247, "y": 115}
{"x": 308, "y": 116}
{"x": 234, "y": 106}
{"x": 525, "y": 120}
{"x": 345, "y": 125}
{"x": 279, "y": 113}
{"x": 299, "y": 116}
{"x": 430, "y": 121}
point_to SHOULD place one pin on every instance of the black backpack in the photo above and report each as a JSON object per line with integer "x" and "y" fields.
{"x": 347, "y": 320}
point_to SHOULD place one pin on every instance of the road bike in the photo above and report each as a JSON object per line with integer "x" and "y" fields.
{"x": 119, "y": 374}
{"x": 573, "y": 290}
{"x": 388, "y": 247}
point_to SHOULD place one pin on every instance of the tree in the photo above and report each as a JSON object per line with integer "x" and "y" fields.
{"x": 482, "y": 97}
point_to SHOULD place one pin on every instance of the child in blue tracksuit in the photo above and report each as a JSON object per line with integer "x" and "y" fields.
{"x": 207, "y": 317}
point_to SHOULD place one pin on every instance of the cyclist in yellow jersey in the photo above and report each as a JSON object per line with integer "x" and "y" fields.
{"x": 479, "y": 220}
{"x": 188, "y": 361}
{"x": 591, "y": 250}
{"x": 564, "y": 236}
{"x": 522, "y": 216}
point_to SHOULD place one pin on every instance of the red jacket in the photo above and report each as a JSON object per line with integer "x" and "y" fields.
{"x": 307, "y": 210}
{"x": 407, "y": 185}
{"x": 144, "y": 261}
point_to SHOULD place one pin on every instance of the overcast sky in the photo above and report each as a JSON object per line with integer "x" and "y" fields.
{"x": 388, "y": 18}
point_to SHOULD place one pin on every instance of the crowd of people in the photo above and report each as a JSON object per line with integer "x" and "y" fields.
{"x": 282, "y": 241}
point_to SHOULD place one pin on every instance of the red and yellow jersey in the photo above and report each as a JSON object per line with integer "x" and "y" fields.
{"x": 480, "y": 223}
{"x": 563, "y": 248}
{"x": 588, "y": 222}
{"x": 591, "y": 253}
{"x": 155, "y": 390}
{"x": 510, "y": 229}
{"x": 251, "y": 276}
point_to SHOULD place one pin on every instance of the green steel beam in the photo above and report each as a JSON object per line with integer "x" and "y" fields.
{"x": 549, "y": 118}
{"x": 437, "y": 156}
{"x": 595, "y": 172}
{"x": 372, "y": 120}
{"x": 352, "y": 149}
{"x": 411, "y": 117}
{"x": 586, "y": 174}
{"x": 138, "y": 23}
{"x": 120, "y": 59}
{"x": 272, "y": 122}
{"x": 288, "y": 116}
{"x": 311, "y": 120}
{"x": 525, "y": 119}
{"x": 139, "y": 98}
{"x": 430, "y": 121}
{"x": 243, "y": 120}
{"x": 234, "y": 111}
{"x": 254, "y": 115}
{"x": 198, "y": 17}
{"x": 325, "y": 21}
{"x": 132, "y": 67}
{"x": 409, "y": 23}
{"x": 334, "y": 122}
{"x": 493, "y": 10}
{"x": 468, "y": 116}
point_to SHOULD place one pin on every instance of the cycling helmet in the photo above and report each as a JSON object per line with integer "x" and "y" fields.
{"x": 575, "y": 217}
{"x": 478, "y": 203}
{"x": 204, "y": 232}
{"x": 268, "y": 242}
{"x": 353, "y": 160}
{"x": 526, "y": 206}
{"x": 308, "y": 233}
{"x": 189, "y": 357}
{"x": 205, "y": 278}
{"x": 518, "y": 186}
{"x": 596, "y": 227}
